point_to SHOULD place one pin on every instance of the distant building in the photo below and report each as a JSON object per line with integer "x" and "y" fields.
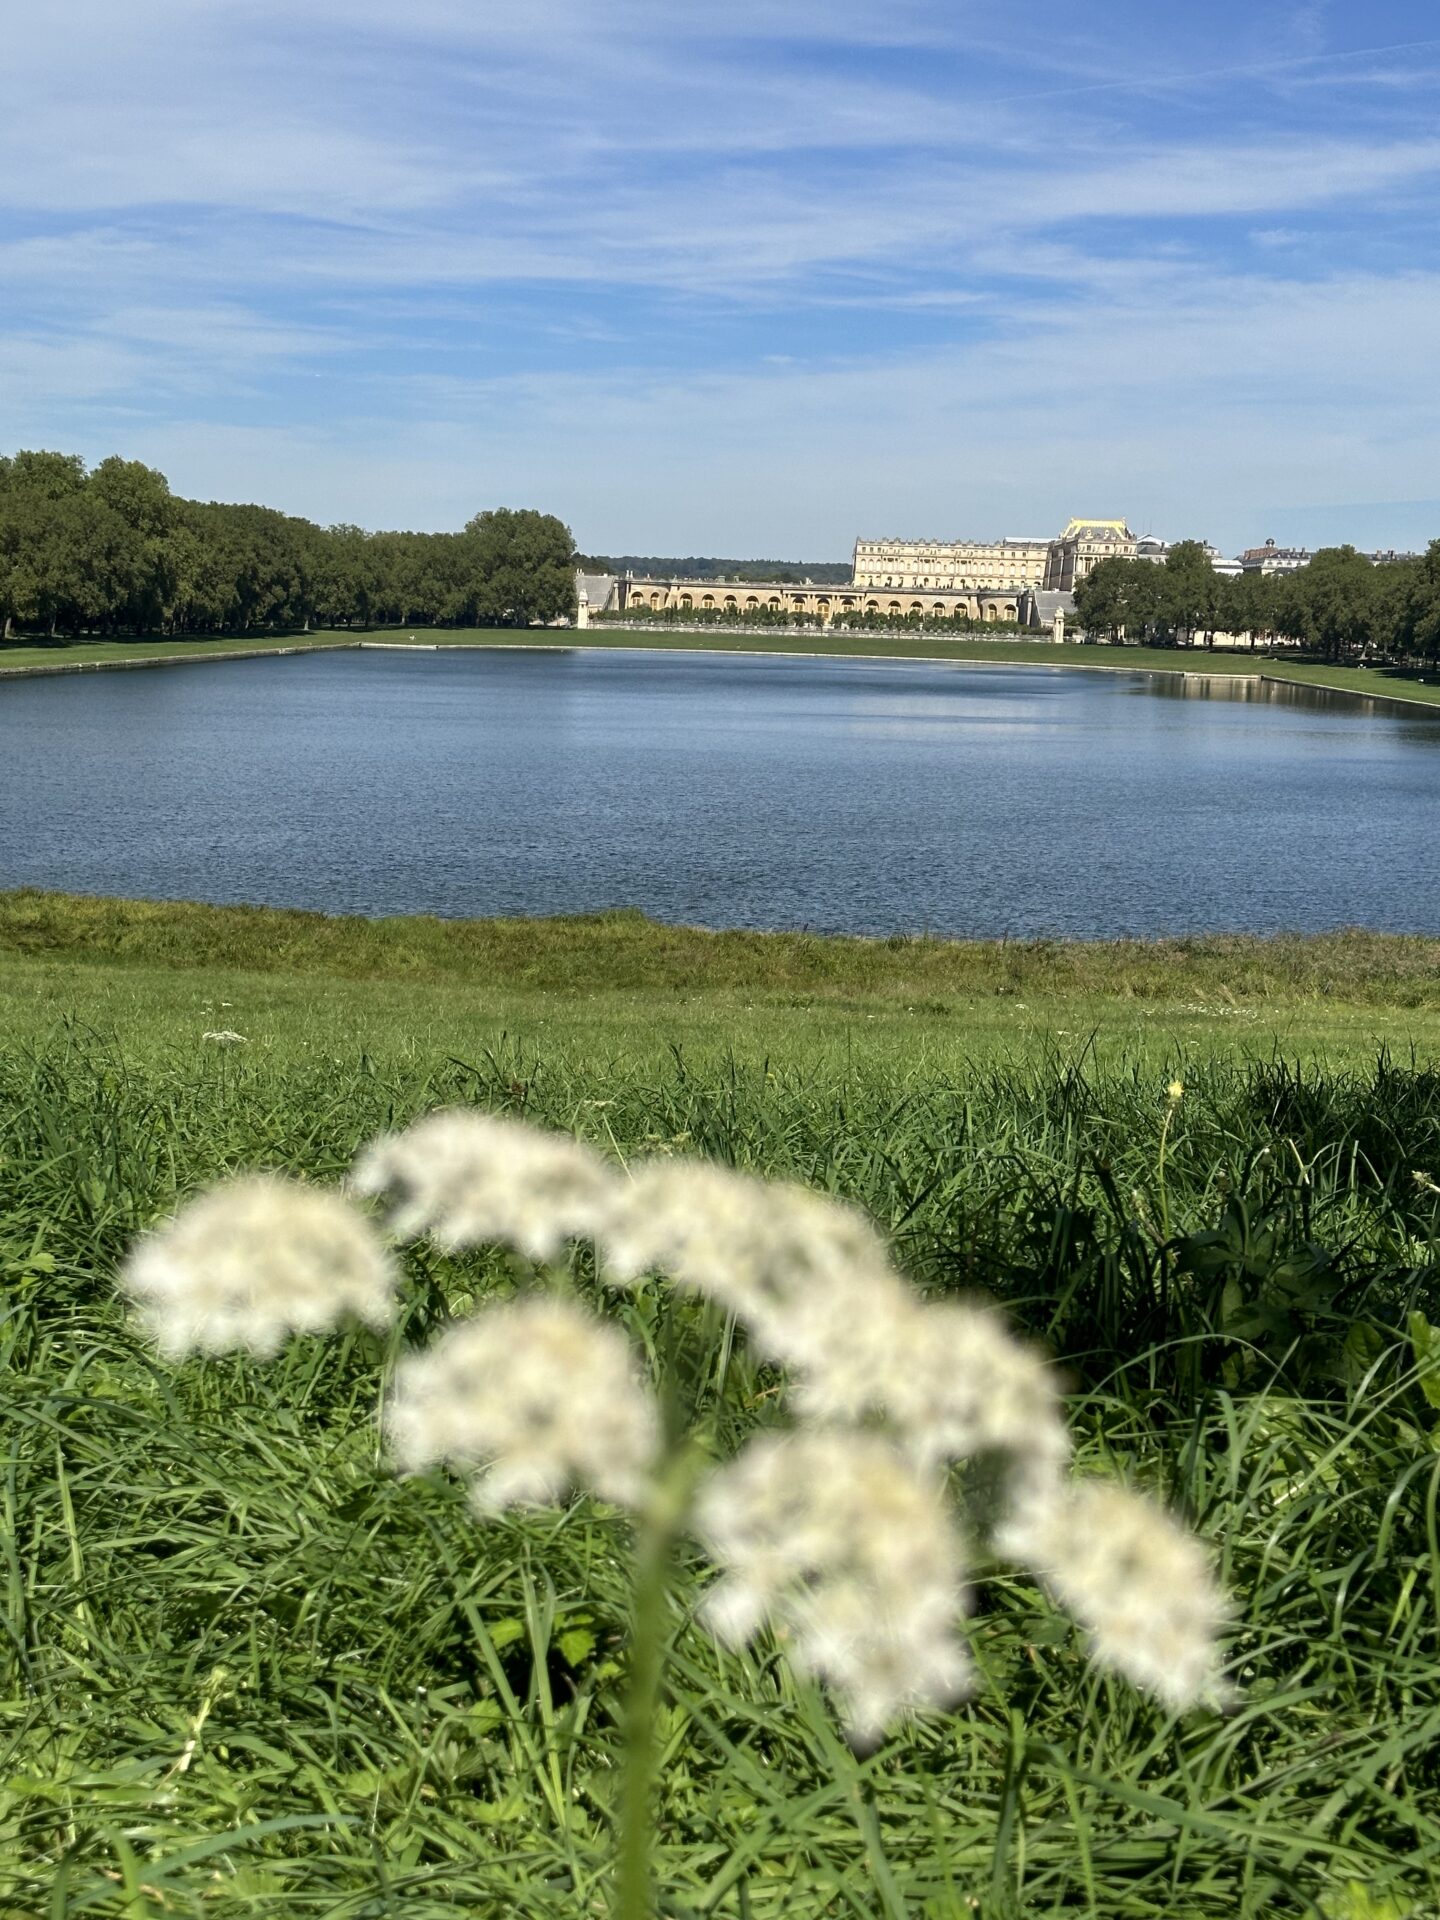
{"x": 997, "y": 607}
{"x": 1389, "y": 557}
{"x": 1081, "y": 547}
{"x": 1158, "y": 551}
{"x": 950, "y": 566}
{"x": 1011, "y": 565}
{"x": 1272, "y": 559}
{"x": 594, "y": 593}
{"x": 1047, "y": 611}
{"x": 990, "y": 582}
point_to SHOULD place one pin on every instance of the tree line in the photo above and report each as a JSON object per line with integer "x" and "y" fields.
{"x": 787, "y": 573}
{"x": 114, "y": 551}
{"x": 1341, "y": 606}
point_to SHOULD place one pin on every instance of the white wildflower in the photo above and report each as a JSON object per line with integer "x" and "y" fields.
{"x": 1139, "y": 1584}
{"x": 849, "y": 1554}
{"x": 226, "y": 1037}
{"x": 469, "y": 1178}
{"x": 959, "y": 1384}
{"x": 808, "y": 1277}
{"x": 253, "y": 1261}
{"x": 528, "y": 1398}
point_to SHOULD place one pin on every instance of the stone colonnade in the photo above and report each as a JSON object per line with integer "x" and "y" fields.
{"x": 756, "y": 598}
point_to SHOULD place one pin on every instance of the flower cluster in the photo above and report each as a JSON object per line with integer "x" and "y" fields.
{"x": 252, "y": 1262}
{"x": 1139, "y": 1585}
{"x": 849, "y": 1553}
{"x": 808, "y": 1278}
{"x": 467, "y": 1179}
{"x": 529, "y": 1398}
{"x": 836, "y": 1533}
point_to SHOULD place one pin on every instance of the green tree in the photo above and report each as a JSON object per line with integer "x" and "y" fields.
{"x": 519, "y": 568}
{"x": 32, "y": 486}
{"x": 1250, "y": 604}
{"x": 1331, "y": 604}
{"x": 140, "y": 498}
{"x": 1119, "y": 597}
{"x": 1410, "y": 597}
{"x": 1190, "y": 594}
{"x": 42, "y": 476}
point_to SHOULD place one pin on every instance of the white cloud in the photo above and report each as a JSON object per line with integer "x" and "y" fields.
{"x": 1196, "y": 417}
{"x": 213, "y": 200}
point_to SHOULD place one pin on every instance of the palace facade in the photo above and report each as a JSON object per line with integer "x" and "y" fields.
{"x": 990, "y": 582}
{"x": 1009, "y": 566}
{"x": 756, "y": 597}
{"x": 1083, "y": 545}
{"x": 951, "y": 566}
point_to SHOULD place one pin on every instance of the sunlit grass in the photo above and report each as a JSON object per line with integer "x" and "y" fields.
{"x": 246, "y": 1672}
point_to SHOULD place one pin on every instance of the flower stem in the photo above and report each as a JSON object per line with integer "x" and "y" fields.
{"x": 1174, "y": 1093}
{"x": 655, "y": 1541}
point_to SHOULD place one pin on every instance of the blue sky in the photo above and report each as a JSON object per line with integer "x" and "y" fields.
{"x": 743, "y": 278}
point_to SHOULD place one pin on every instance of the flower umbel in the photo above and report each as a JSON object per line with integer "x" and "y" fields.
{"x": 849, "y": 1554}
{"x": 528, "y": 1399}
{"x": 962, "y": 1385}
{"x": 469, "y": 1178}
{"x": 1139, "y": 1584}
{"x": 253, "y": 1261}
{"x": 809, "y": 1277}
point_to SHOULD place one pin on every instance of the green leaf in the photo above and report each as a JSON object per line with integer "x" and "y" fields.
{"x": 576, "y": 1644}
{"x": 1362, "y": 1348}
{"x": 1425, "y": 1345}
{"x": 1356, "y": 1901}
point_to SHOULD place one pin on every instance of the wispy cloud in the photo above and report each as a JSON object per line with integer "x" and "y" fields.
{"x": 728, "y": 275}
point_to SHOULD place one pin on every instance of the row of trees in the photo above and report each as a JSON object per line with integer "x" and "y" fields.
{"x": 114, "y": 551}
{"x": 655, "y": 566}
{"x": 1340, "y": 605}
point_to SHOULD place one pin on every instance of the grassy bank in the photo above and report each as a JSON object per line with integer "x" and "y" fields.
{"x": 162, "y": 974}
{"x": 18, "y": 656}
{"x": 1378, "y": 682}
{"x": 246, "y": 1672}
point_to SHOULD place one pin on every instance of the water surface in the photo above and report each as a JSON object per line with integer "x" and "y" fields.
{"x": 868, "y": 797}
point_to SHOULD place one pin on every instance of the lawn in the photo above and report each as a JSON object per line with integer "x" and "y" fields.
{"x": 249, "y": 1672}
{"x": 159, "y": 975}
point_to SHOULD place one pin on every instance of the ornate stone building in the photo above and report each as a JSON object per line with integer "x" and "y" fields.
{"x": 993, "y": 607}
{"x": 1272, "y": 559}
{"x": 991, "y": 582}
{"x": 1083, "y": 545}
{"x": 992, "y": 566}
{"x": 951, "y": 566}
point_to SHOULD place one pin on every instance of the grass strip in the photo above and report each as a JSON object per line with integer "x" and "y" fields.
{"x": 625, "y": 950}
{"x": 1390, "y": 684}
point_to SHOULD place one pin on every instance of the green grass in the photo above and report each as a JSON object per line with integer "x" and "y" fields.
{"x": 1375, "y": 682}
{"x": 17, "y": 655}
{"x": 245, "y": 1672}
{"x": 159, "y": 975}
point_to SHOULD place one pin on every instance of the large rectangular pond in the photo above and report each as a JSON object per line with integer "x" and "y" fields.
{"x": 727, "y": 790}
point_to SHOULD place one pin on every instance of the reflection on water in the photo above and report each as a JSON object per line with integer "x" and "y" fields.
{"x": 864, "y": 796}
{"x": 1255, "y": 689}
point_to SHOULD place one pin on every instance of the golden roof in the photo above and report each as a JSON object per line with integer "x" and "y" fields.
{"x": 1078, "y": 527}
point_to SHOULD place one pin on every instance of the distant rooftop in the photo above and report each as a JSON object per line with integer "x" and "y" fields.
{"x": 1097, "y": 529}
